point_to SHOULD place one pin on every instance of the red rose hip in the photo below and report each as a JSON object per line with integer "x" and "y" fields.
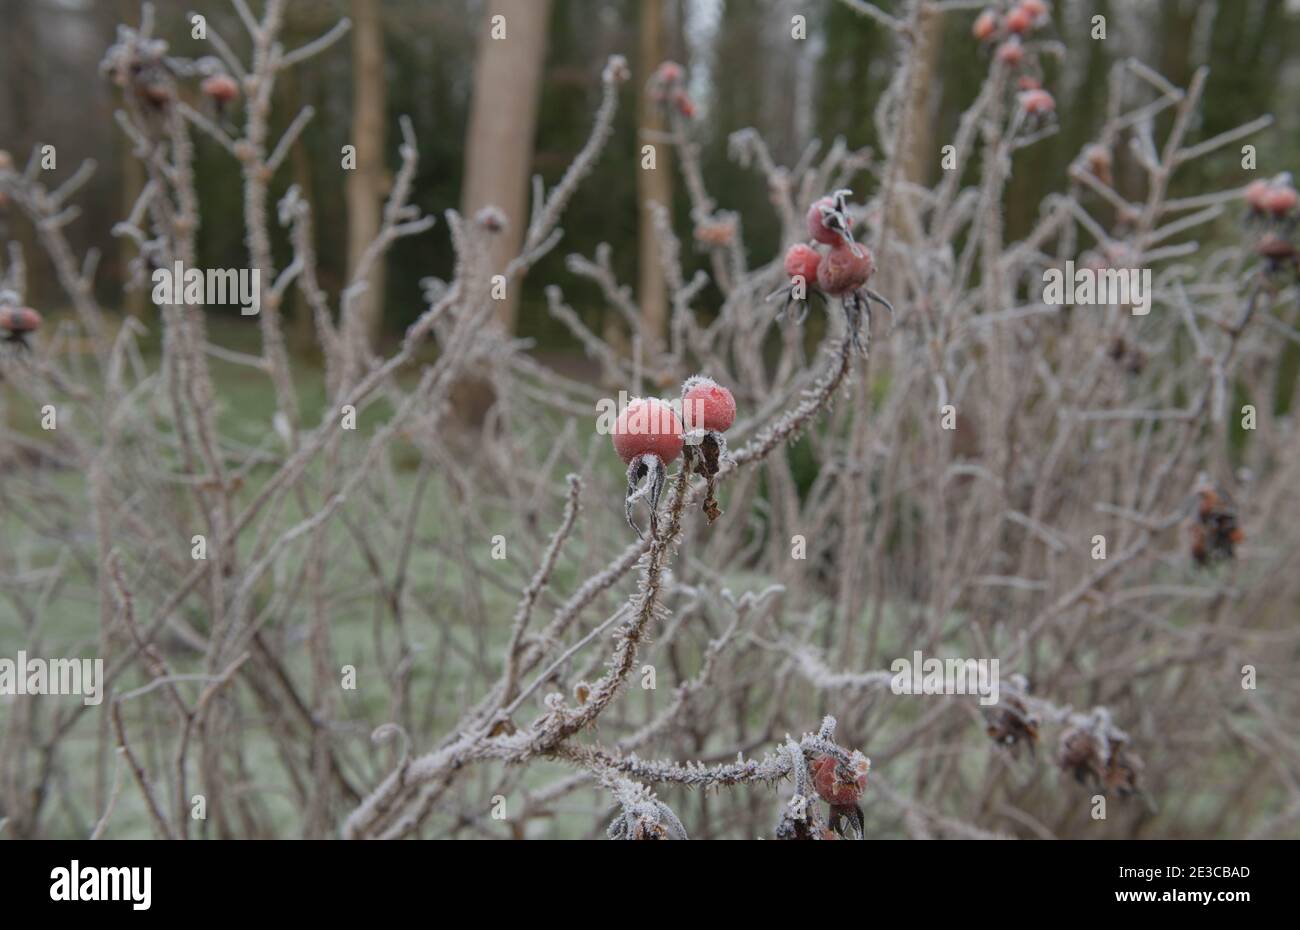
{"x": 1037, "y": 102}
{"x": 828, "y": 222}
{"x": 220, "y": 87}
{"x": 1279, "y": 200}
{"x": 1011, "y": 52}
{"x": 18, "y": 320}
{"x": 802, "y": 261}
{"x": 1034, "y": 9}
{"x": 1256, "y": 193}
{"x": 648, "y": 426}
{"x": 846, "y": 268}
{"x": 707, "y": 405}
{"x": 838, "y": 784}
{"x": 1019, "y": 20}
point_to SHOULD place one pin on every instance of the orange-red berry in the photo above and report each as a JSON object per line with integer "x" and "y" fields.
{"x": 707, "y": 405}
{"x": 1037, "y": 102}
{"x": 220, "y": 87}
{"x": 1036, "y": 9}
{"x": 1279, "y": 199}
{"x": 817, "y": 224}
{"x": 838, "y": 786}
{"x": 801, "y": 261}
{"x": 845, "y": 269}
{"x": 669, "y": 72}
{"x": 648, "y": 426}
{"x": 17, "y": 321}
{"x": 1255, "y": 194}
{"x": 986, "y": 24}
{"x": 1019, "y": 20}
{"x": 1011, "y": 52}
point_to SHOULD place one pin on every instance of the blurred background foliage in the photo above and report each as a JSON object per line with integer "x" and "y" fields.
{"x": 745, "y": 70}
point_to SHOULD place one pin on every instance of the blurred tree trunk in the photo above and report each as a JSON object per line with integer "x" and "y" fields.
{"x": 653, "y": 185}
{"x": 502, "y": 125}
{"x": 922, "y": 153}
{"x": 365, "y": 184}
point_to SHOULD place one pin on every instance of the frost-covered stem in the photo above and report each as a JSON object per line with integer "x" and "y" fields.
{"x": 542, "y": 233}
{"x": 524, "y": 612}
{"x": 45, "y": 211}
{"x": 816, "y": 398}
{"x": 138, "y": 771}
{"x": 257, "y": 176}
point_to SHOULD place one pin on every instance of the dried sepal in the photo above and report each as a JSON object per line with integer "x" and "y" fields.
{"x": 704, "y": 457}
{"x": 646, "y": 477}
{"x": 1011, "y": 724}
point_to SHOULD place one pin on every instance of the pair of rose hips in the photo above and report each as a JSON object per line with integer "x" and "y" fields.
{"x": 1273, "y": 203}
{"x": 1276, "y": 198}
{"x": 648, "y": 435}
{"x": 17, "y": 323}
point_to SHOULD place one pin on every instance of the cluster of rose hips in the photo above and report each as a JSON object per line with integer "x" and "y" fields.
{"x": 648, "y": 435}
{"x": 667, "y": 87}
{"x": 841, "y": 270}
{"x": 1006, "y": 33}
{"x": 1273, "y": 208}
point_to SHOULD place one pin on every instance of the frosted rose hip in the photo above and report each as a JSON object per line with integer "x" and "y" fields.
{"x": 846, "y": 268}
{"x": 1019, "y": 20}
{"x": 985, "y": 25}
{"x": 1279, "y": 199}
{"x": 802, "y": 260}
{"x": 708, "y": 405}
{"x": 669, "y": 72}
{"x": 838, "y": 790}
{"x": 1034, "y": 9}
{"x": 1011, "y": 52}
{"x": 817, "y": 223}
{"x": 648, "y": 427}
{"x": 1037, "y": 102}
{"x": 19, "y": 320}
{"x": 1256, "y": 192}
{"x": 220, "y": 87}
